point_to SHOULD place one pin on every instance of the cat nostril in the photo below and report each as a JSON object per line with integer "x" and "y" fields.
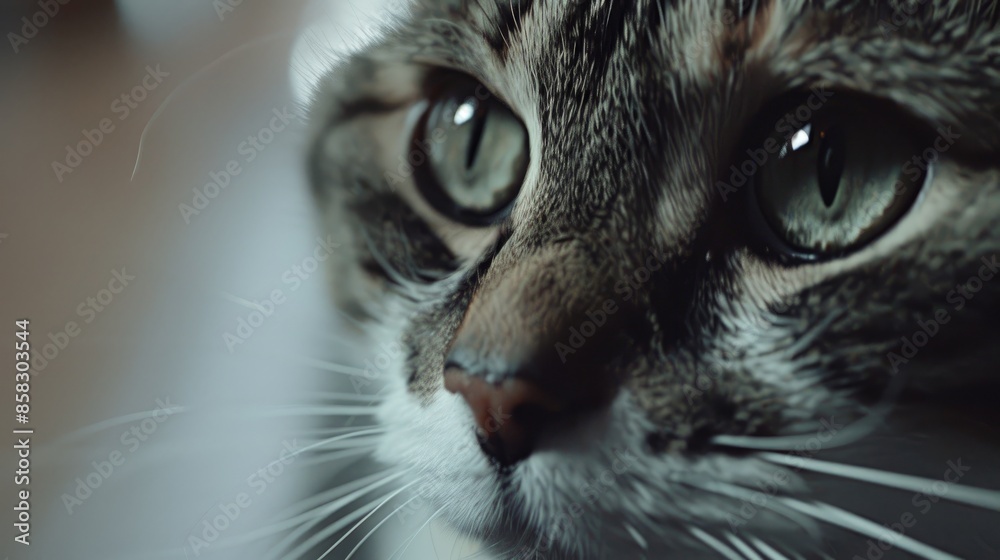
{"x": 508, "y": 414}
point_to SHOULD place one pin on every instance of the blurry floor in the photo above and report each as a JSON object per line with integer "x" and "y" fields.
{"x": 136, "y": 276}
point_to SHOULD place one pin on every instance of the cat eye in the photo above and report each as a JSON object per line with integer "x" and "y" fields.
{"x": 835, "y": 177}
{"x": 476, "y": 155}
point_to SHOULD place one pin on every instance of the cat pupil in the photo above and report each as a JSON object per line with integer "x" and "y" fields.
{"x": 831, "y": 164}
{"x": 476, "y": 138}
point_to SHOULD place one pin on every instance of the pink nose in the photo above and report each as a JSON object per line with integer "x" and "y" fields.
{"x": 507, "y": 414}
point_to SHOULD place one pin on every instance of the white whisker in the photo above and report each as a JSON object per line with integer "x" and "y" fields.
{"x": 867, "y": 528}
{"x": 307, "y": 509}
{"x": 715, "y": 544}
{"x": 192, "y": 79}
{"x": 767, "y": 549}
{"x": 406, "y": 544}
{"x": 737, "y": 492}
{"x": 326, "y": 532}
{"x": 380, "y": 523}
{"x": 330, "y": 410}
{"x": 115, "y": 422}
{"x": 331, "y": 529}
{"x": 355, "y": 443}
{"x": 636, "y": 536}
{"x": 328, "y": 441}
{"x": 806, "y": 340}
{"x": 743, "y": 547}
{"x": 334, "y": 456}
{"x": 977, "y": 497}
{"x": 257, "y": 412}
{"x": 348, "y": 397}
{"x": 365, "y": 518}
{"x": 342, "y": 439}
{"x": 327, "y": 432}
{"x": 322, "y": 500}
{"x": 333, "y": 367}
{"x": 307, "y": 520}
{"x": 244, "y": 302}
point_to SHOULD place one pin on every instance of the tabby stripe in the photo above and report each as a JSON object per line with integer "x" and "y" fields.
{"x": 511, "y": 15}
{"x": 601, "y": 28}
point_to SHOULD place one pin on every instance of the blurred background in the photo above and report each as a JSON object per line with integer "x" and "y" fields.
{"x": 157, "y": 231}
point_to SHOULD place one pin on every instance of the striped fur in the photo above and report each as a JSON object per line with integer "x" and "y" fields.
{"x": 635, "y": 109}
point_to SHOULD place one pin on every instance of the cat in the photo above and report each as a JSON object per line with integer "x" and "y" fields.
{"x": 686, "y": 279}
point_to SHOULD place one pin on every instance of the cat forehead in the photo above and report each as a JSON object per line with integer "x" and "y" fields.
{"x": 534, "y": 52}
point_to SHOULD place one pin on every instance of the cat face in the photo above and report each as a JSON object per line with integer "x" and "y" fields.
{"x": 678, "y": 276}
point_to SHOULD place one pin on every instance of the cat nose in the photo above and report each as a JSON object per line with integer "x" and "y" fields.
{"x": 517, "y": 398}
{"x": 508, "y": 414}
{"x": 537, "y": 350}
